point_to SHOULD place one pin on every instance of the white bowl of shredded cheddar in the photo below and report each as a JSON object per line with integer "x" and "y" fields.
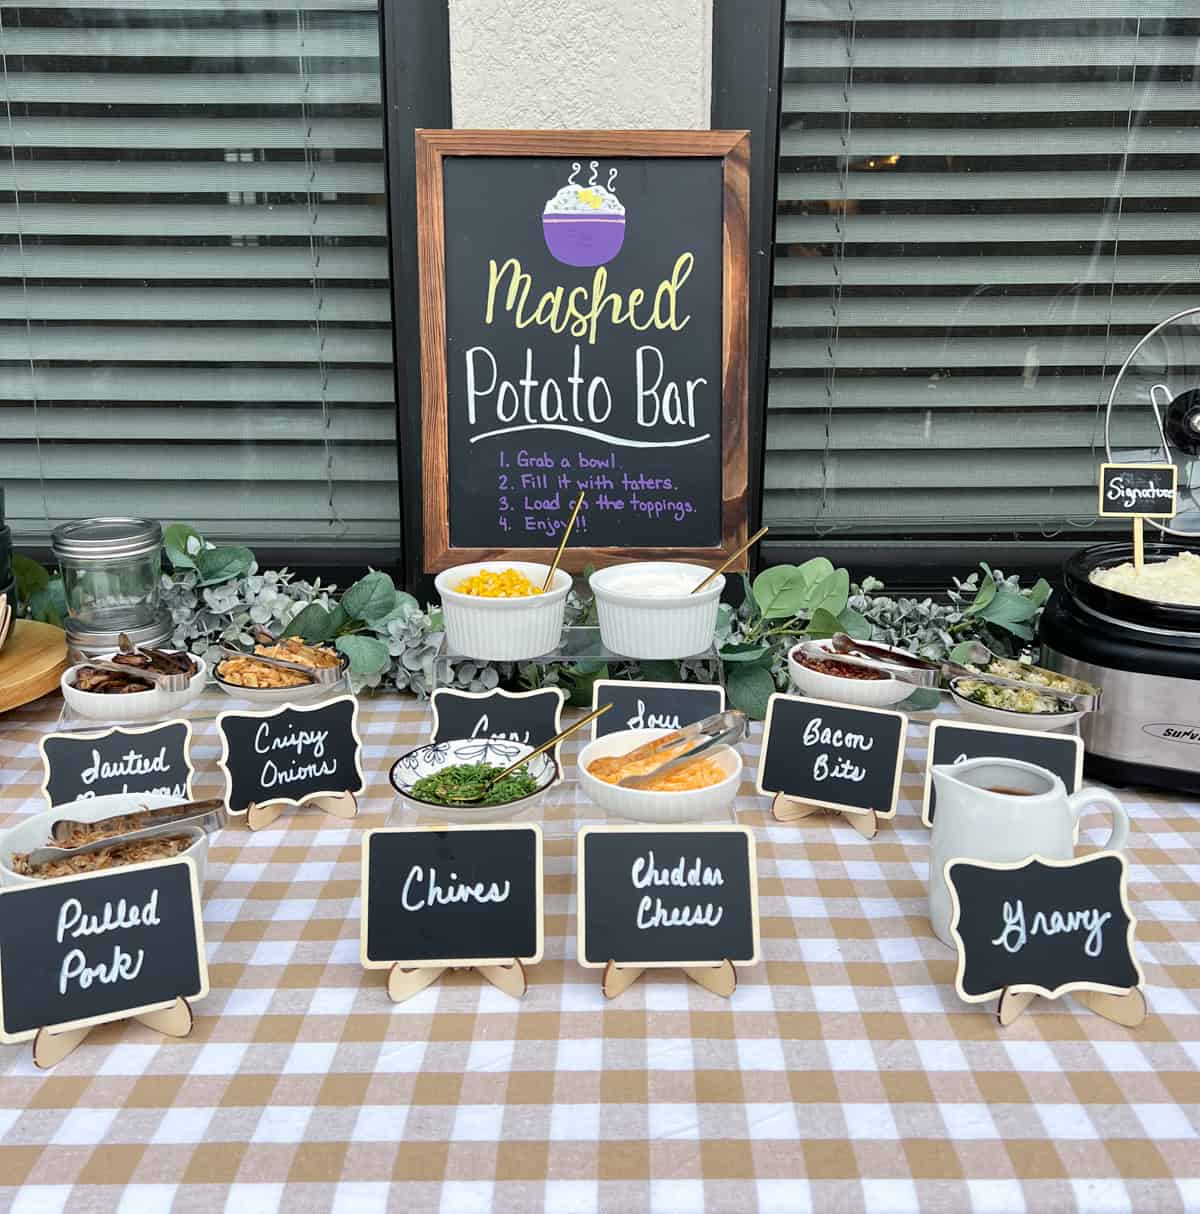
{"x": 496, "y": 611}
{"x": 685, "y": 799}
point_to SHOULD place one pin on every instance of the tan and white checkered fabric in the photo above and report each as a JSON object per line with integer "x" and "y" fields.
{"x": 843, "y": 1075}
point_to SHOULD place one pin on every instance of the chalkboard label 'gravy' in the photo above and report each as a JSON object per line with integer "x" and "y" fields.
{"x": 833, "y": 755}
{"x": 99, "y": 947}
{"x": 458, "y": 895}
{"x": 638, "y": 705}
{"x": 955, "y": 742}
{"x": 1042, "y": 926}
{"x": 292, "y": 755}
{"x": 151, "y": 759}
{"x": 1138, "y": 490}
{"x": 676, "y": 896}
{"x": 528, "y": 717}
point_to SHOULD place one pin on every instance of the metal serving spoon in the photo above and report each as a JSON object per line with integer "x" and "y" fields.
{"x": 475, "y": 798}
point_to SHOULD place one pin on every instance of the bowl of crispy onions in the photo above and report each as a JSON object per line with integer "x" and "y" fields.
{"x": 700, "y": 789}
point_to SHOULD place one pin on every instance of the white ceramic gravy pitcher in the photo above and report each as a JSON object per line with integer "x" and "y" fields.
{"x": 1004, "y": 810}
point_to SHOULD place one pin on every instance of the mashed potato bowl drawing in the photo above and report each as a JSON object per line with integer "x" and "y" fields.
{"x": 584, "y": 225}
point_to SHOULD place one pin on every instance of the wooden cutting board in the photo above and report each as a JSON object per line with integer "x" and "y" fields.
{"x": 32, "y": 663}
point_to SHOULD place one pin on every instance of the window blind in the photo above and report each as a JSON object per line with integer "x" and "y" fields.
{"x": 194, "y": 306}
{"x": 982, "y": 206}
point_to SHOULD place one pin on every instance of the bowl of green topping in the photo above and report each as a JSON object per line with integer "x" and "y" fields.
{"x": 436, "y": 778}
{"x": 1030, "y": 707}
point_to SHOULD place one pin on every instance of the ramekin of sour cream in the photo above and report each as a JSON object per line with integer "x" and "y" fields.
{"x": 647, "y": 609}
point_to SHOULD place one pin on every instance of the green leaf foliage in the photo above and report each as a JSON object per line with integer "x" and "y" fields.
{"x": 855, "y": 624}
{"x": 371, "y": 597}
{"x": 31, "y": 577}
{"x": 50, "y": 603}
{"x": 367, "y": 655}
{"x": 749, "y": 652}
{"x": 660, "y": 672}
{"x": 830, "y": 593}
{"x": 175, "y": 542}
{"x": 985, "y": 594}
{"x": 222, "y": 564}
{"x": 748, "y": 689}
{"x": 924, "y": 699}
{"x": 579, "y": 679}
{"x": 313, "y": 625}
{"x": 823, "y": 624}
{"x": 780, "y": 592}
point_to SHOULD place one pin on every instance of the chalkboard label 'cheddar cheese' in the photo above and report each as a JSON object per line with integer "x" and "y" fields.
{"x": 593, "y": 338}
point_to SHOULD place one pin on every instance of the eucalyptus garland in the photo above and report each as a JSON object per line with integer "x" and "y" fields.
{"x": 216, "y": 593}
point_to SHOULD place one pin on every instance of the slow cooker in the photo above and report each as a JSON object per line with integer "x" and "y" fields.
{"x": 1145, "y": 658}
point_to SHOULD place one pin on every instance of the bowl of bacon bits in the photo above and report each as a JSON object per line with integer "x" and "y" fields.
{"x": 819, "y": 672}
{"x": 120, "y": 687}
{"x": 497, "y": 611}
{"x": 282, "y": 672}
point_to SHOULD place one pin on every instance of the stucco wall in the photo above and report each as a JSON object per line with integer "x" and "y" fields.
{"x": 581, "y": 63}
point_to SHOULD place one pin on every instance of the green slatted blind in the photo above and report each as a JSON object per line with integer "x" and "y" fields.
{"x": 194, "y": 307}
{"x": 982, "y": 206}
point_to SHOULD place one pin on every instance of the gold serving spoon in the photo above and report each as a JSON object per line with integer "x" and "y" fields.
{"x": 562, "y": 544}
{"x": 730, "y": 559}
{"x": 475, "y": 798}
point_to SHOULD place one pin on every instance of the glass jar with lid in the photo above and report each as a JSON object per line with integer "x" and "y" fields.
{"x": 111, "y": 569}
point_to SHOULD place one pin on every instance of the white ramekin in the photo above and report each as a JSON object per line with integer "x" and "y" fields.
{"x": 152, "y": 705}
{"x": 34, "y": 830}
{"x": 503, "y": 630}
{"x": 641, "y": 627}
{"x": 644, "y": 805}
{"x": 864, "y": 693}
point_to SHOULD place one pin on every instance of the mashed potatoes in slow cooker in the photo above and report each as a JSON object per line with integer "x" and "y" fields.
{"x": 1176, "y": 580}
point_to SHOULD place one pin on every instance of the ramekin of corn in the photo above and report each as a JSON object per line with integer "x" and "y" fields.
{"x": 496, "y": 611}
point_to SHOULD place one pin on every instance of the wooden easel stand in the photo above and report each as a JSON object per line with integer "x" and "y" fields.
{"x": 260, "y": 814}
{"x": 720, "y": 979}
{"x": 1128, "y": 1009}
{"x": 403, "y": 984}
{"x": 173, "y": 1020}
{"x": 788, "y": 809}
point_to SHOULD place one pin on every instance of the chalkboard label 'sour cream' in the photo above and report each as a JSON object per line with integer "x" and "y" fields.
{"x": 644, "y": 705}
{"x": 660, "y": 896}
{"x": 833, "y": 755}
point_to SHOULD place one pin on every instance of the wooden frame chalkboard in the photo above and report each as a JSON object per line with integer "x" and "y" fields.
{"x": 732, "y": 148}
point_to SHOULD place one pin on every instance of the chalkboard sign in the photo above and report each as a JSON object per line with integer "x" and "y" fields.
{"x": 676, "y": 896}
{"x": 98, "y": 947}
{"x": 153, "y": 759}
{"x": 457, "y": 895}
{"x": 529, "y": 717}
{"x": 833, "y": 755}
{"x": 583, "y": 326}
{"x": 1138, "y": 490}
{"x": 653, "y": 705}
{"x": 952, "y": 742}
{"x": 1044, "y": 926}
{"x": 290, "y": 755}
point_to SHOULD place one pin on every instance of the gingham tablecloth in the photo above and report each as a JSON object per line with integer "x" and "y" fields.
{"x": 844, "y": 1074}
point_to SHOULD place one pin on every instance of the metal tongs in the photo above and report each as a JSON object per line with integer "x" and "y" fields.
{"x": 720, "y": 729}
{"x": 165, "y": 682}
{"x": 325, "y": 675}
{"x": 192, "y": 817}
{"x": 902, "y": 666}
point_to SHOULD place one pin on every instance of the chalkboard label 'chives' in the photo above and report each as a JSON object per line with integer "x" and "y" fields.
{"x": 832, "y": 755}
{"x": 101, "y": 946}
{"x": 1042, "y": 926}
{"x": 677, "y": 896}
{"x": 638, "y": 705}
{"x": 954, "y": 742}
{"x": 454, "y": 896}
{"x": 1138, "y": 490}
{"x": 152, "y": 759}
{"x": 528, "y": 717}
{"x": 291, "y": 755}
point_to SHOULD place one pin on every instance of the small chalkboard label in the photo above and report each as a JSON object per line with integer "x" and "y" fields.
{"x": 529, "y": 717}
{"x": 653, "y": 705}
{"x": 1138, "y": 490}
{"x": 151, "y": 759}
{"x": 101, "y": 946}
{"x": 952, "y": 742}
{"x": 667, "y": 896}
{"x": 454, "y": 895}
{"x": 291, "y": 755}
{"x": 1042, "y": 926}
{"x": 833, "y": 755}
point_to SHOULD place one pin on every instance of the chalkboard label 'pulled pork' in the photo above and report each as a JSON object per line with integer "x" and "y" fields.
{"x": 1042, "y": 926}
{"x": 99, "y": 947}
{"x": 655, "y": 897}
